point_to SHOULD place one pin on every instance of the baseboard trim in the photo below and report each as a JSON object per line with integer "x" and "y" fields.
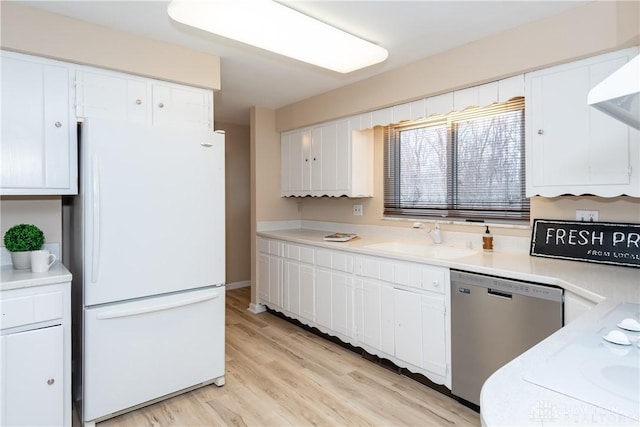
{"x": 257, "y": 308}
{"x": 238, "y": 285}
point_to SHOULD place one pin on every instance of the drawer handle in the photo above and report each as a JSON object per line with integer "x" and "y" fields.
{"x": 50, "y": 381}
{"x": 135, "y": 311}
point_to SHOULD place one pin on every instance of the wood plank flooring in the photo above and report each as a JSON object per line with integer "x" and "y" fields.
{"x": 278, "y": 374}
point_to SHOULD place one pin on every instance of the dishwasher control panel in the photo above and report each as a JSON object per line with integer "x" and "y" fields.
{"x": 503, "y": 286}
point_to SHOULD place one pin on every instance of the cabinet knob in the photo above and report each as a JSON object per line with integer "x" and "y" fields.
{"x": 540, "y": 132}
{"x": 306, "y": 160}
{"x": 161, "y": 105}
{"x": 314, "y": 159}
{"x": 138, "y": 101}
{"x": 50, "y": 381}
{"x": 435, "y": 284}
{"x": 58, "y": 124}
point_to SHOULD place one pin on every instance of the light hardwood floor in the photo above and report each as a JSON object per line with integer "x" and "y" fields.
{"x": 278, "y": 374}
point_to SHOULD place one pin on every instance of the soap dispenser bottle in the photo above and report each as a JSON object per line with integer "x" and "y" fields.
{"x": 487, "y": 241}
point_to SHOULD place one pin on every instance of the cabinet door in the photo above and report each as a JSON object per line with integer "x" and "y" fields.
{"x": 286, "y": 165}
{"x": 572, "y": 147}
{"x": 434, "y": 346}
{"x": 341, "y": 302}
{"x": 32, "y": 378}
{"x": 408, "y": 326}
{"x": 421, "y": 330}
{"x": 263, "y": 278}
{"x": 343, "y": 158}
{"x": 330, "y": 159}
{"x": 334, "y": 299}
{"x": 112, "y": 96}
{"x": 373, "y": 315}
{"x": 291, "y": 287}
{"x": 178, "y": 106}
{"x": 298, "y": 166}
{"x": 307, "y": 292}
{"x": 38, "y": 150}
{"x": 316, "y": 157}
{"x": 275, "y": 281}
{"x": 323, "y": 297}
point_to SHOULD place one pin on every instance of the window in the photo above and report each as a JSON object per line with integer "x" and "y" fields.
{"x": 467, "y": 165}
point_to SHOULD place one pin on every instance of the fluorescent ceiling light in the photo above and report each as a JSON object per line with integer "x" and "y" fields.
{"x": 277, "y": 28}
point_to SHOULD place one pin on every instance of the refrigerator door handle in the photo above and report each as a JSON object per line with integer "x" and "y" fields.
{"x": 134, "y": 311}
{"x": 95, "y": 251}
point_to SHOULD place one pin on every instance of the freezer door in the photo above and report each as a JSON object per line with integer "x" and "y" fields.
{"x": 139, "y": 351}
{"x": 153, "y": 210}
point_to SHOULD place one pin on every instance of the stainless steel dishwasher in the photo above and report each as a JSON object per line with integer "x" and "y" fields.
{"x": 494, "y": 320}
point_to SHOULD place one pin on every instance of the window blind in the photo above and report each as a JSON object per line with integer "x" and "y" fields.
{"x": 466, "y": 164}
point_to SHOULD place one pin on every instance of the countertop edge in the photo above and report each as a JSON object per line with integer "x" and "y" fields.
{"x": 11, "y": 278}
{"x": 505, "y": 264}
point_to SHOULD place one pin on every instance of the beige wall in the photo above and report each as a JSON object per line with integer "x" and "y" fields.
{"x": 28, "y": 30}
{"x": 266, "y": 203}
{"x": 44, "y": 212}
{"x": 237, "y": 202}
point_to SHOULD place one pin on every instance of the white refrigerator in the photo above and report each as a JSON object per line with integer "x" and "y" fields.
{"x": 145, "y": 238}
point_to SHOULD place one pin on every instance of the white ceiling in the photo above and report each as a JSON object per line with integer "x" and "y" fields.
{"x": 409, "y": 30}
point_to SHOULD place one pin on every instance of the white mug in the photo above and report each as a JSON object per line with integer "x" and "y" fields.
{"x": 41, "y": 261}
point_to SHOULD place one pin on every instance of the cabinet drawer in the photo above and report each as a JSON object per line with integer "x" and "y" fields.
{"x": 434, "y": 279}
{"x": 271, "y": 247}
{"x": 409, "y": 274}
{"x": 299, "y": 253}
{"x": 31, "y": 309}
{"x": 334, "y": 260}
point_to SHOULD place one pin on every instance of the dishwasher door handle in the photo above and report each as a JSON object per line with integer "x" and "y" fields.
{"x": 499, "y": 294}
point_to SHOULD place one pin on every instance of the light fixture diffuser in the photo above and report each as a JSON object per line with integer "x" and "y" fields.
{"x": 277, "y": 28}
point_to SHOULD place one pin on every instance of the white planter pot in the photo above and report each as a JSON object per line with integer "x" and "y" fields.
{"x": 21, "y": 260}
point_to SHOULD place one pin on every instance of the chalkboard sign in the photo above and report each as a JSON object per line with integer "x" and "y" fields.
{"x": 599, "y": 242}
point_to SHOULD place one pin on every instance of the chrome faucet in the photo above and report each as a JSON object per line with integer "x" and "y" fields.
{"x": 435, "y": 234}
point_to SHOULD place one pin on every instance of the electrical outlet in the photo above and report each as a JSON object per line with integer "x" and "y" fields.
{"x": 357, "y": 210}
{"x": 586, "y": 216}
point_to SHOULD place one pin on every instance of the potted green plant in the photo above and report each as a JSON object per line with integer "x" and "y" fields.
{"x": 20, "y": 240}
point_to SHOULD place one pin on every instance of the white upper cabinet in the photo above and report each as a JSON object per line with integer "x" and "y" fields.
{"x": 39, "y": 137}
{"x": 117, "y": 96}
{"x": 327, "y": 160}
{"x": 572, "y": 148}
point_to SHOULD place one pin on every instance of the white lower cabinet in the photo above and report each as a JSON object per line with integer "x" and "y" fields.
{"x": 35, "y": 356}
{"x": 404, "y": 313}
{"x": 270, "y": 273}
{"x": 334, "y": 295}
{"x": 395, "y": 309}
{"x": 32, "y": 378}
{"x": 298, "y": 281}
{"x": 373, "y": 315}
{"x": 420, "y": 330}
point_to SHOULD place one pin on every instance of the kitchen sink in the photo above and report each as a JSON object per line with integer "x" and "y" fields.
{"x": 442, "y": 252}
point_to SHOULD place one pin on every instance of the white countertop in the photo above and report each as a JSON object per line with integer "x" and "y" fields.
{"x": 595, "y": 282}
{"x": 507, "y": 398}
{"x": 11, "y": 278}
